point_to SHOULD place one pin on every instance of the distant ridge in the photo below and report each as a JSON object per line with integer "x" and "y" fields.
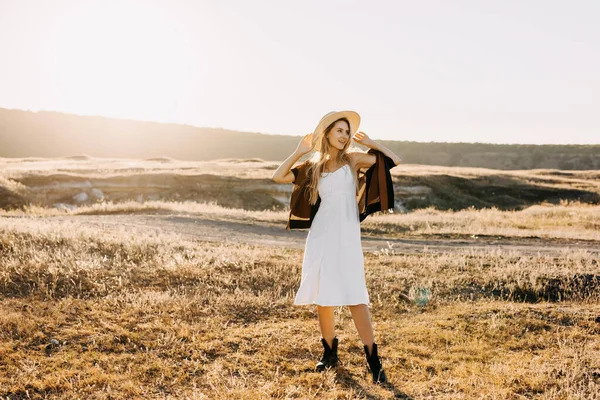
{"x": 56, "y": 134}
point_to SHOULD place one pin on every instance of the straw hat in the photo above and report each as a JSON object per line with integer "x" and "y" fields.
{"x": 329, "y": 118}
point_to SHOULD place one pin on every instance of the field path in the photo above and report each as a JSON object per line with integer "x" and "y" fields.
{"x": 269, "y": 234}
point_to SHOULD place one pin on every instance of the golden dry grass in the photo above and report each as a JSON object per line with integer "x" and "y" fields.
{"x": 568, "y": 220}
{"x": 107, "y": 314}
{"x": 246, "y": 184}
{"x": 160, "y": 316}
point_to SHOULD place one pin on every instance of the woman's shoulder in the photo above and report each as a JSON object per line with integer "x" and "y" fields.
{"x": 360, "y": 159}
{"x": 354, "y": 154}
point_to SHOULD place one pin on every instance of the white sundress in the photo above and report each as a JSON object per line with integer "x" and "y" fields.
{"x": 333, "y": 271}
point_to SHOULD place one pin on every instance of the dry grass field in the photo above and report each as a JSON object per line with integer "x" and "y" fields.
{"x": 177, "y": 299}
{"x": 245, "y": 184}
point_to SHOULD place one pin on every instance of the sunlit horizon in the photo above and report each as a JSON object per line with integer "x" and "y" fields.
{"x": 427, "y": 72}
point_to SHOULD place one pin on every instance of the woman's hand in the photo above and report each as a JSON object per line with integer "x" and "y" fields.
{"x": 305, "y": 144}
{"x": 364, "y": 139}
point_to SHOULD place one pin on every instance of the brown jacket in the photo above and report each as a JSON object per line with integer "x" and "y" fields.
{"x": 376, "y": 192}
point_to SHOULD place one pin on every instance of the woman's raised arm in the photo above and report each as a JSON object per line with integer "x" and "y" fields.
{"x": 283, "y": 174}
{"x": 364, "y": 160}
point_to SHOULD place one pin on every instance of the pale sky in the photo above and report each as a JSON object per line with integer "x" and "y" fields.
{"x": 495, "y": 71}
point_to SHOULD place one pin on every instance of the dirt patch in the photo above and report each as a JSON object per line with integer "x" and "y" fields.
{"x": 267, "y": 234}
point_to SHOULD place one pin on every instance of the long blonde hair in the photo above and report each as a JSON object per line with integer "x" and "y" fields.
{"x": 317, "y": 165}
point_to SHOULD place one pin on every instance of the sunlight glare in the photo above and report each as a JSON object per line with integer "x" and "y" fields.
{"x": 122, "y": 59}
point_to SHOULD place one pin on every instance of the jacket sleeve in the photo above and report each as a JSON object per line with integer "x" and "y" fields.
{"x": 376, "y": 186}
{"x": 297, "y": 168}
{"x": 301, "y": 212}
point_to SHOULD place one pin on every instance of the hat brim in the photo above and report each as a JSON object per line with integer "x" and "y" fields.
{"x": 328, "y": 119}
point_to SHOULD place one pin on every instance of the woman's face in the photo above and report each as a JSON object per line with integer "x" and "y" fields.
{"x": 339, "y": 136}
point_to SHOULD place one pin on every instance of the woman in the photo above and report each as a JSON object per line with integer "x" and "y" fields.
{"x": 325, "y": 199}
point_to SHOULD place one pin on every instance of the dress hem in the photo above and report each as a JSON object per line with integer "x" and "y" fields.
{"x": 331, "y": 305}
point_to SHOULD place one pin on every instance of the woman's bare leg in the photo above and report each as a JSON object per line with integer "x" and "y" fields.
{"x": 327, "y": 323}
{"x": 362, "y": 321}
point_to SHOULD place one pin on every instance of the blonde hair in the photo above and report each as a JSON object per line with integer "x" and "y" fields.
{"x": 317, "y": 163}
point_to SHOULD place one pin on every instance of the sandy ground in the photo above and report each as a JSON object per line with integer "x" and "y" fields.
{"x": 265, "y": 234}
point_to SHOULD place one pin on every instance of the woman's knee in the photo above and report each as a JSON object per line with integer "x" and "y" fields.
{"x": 358, "y": 307}
{"x": 325, "y": 308}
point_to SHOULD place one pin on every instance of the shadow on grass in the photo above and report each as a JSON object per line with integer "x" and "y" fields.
{"x": 348, "y": 380}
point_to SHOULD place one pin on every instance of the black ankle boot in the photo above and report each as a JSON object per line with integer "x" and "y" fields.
{"x": 374, "y": 365}
{"x": 330, "y": 356}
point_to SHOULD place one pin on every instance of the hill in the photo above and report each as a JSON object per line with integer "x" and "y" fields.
{"x": 54, "y": 134}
